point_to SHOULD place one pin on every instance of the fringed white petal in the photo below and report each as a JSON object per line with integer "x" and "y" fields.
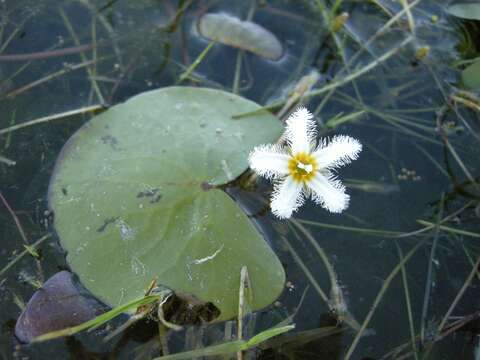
{"x": 340, "y": 151}
{"x": 287, "y": 197}
{"x": 301, "y": 131}
{"x": 328, "y": 192}
{"x": 269, "y": 161}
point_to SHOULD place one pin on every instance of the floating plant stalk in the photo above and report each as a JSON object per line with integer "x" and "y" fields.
{"x": 51, "y": 117}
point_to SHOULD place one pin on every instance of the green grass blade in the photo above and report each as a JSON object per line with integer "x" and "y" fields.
{"x": 229, "y": 347}
{"x": 99, "y": 320}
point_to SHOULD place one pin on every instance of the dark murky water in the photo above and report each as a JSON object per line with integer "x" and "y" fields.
{"x": 420, "y": 155}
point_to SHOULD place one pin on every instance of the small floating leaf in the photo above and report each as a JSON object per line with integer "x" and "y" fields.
{"x": 471, "y": 76}
{"x": 246, "y": 35}
{"x": 58, "y": 304}
{"x": 465, "y": 10}
{"x": 135, "y": 199}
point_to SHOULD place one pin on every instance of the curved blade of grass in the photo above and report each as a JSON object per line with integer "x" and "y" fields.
{"x": 336, "y": 301}
{"x": 197, "y": 62}
{"x": 304, "y": 337}
{"x": 342, "y": 119}
{"x": 265, "y": 335}
{"x": 229, "y": 347}
{"x": 99, "y": 320}
{"x": 450, "y": 229}
{"x": 408, "y": 302}
{"x": 428, "y": 283}
{"x": 51, "y": 117}
{"x": 373, "y": 232}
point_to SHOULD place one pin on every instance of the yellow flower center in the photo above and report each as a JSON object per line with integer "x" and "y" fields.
{"x": 302, "y": 167}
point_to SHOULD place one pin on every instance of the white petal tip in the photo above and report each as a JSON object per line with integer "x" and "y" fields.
{"x": 340, "y": 151}
{"x": 347, "y": 145}
{"x": 339, "y": 205}
{"x": 302, "y": 112}
{"x": 301, "y": 130}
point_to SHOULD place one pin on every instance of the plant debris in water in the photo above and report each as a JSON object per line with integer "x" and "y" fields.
{"x": 386, "y": 72}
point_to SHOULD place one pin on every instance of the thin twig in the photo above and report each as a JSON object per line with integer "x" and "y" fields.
{"x": 52, "y": 117}
{"x": 15, "y": 219}
{"x": 450, "y": 229}
{"x": 453, "y": 327}
{"x": 454, "y": 304}
{"x": 428, "y": 283}
{"x": 70, "y": 29}
{"x": 411, "y": 21}
{"x": 408, "y": 302}
{"x": 466, "y": 284}
{"x": 240, "y": 54}
{"x": 444, "y": 220}
{"x": 7, "y": 161}
{"x": 49, "y": 77}
{"x": 23, "y": 253}
{"x": 108, "y": 27}
{"x": 46, "y": 54}
{"x": 22, "y": 235}
{"x": 238, "y": 70}
{"x": 197, "y": 62}
{"x": 335, "y": 84}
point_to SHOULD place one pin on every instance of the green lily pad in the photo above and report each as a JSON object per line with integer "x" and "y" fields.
{"x": 135, "y": 198}
{"x": 465, "y": 10}
{"x": 471, "y": 76}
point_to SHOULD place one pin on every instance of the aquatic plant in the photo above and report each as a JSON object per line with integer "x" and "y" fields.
{"x": 399, "y": 75}
{"x": 154, "y": 201}
{"x": 303, "y": 168}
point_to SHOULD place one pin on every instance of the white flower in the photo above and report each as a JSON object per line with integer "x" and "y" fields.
{"x": 303, "y": 168}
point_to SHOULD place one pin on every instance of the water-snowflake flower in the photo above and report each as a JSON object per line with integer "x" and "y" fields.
{"x": 304, "y": 168}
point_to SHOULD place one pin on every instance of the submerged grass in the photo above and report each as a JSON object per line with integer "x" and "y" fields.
{"x": 344, "y": 89}
{"x": 336, "y": 83}
{"x": 185, "y": 75}
{"x": 336, "y": 301}
{"x": 428, "y": 282}
{"x": 49, "y": 118}
{"x": 379, "y": 297}
{"x": 408, "y": 302}
{"x": 99, "y": 320}
{"x": 26, "y": 251}
{"x": 90, "y": 72}
{"x": 446, "y": 317}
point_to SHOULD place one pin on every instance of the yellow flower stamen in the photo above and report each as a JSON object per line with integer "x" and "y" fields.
{"x": 302, "y": 167}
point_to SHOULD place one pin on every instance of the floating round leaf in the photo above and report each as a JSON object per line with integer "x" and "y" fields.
{"x": 135, "y": 198}
{"x": 465, "y": 10}
{"x": 246, "y": 35}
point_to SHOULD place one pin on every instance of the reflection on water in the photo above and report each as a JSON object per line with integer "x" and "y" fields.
{"x": 419, "y": 166}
